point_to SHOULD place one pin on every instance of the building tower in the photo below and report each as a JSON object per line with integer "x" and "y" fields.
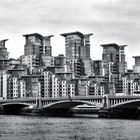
{"x": 36, "y": 46}
{"x": 77, "y": 50}
{"x": 136, "y": 67}
{"x": 33, "y": 44}
{"x": 47, "y": 45}
{"x": 114, "y": 57}
{"x": 77, "y": 45}
{"x": 3, "y": 55}
{"x": 3, "y": 49}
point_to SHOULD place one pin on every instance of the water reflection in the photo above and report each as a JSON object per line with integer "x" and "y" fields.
{"x": 47, "y": 128}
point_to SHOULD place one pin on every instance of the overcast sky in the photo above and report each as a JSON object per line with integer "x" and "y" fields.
{"x": 110, "y": 21}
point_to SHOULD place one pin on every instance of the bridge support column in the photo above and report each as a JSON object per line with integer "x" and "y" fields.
{"x": 1, "y": 109}
{"x": 105, "y": 101}
{"x": 38, "y": 102}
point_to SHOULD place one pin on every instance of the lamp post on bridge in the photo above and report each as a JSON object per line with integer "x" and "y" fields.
{"x": 105, "y": 101}
{"x": 38, "y": 100}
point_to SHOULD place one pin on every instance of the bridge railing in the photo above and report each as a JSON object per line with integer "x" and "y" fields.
{"x": 110, "y": 100}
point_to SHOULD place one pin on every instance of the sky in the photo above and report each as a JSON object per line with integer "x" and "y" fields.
{"x": 110, "y": 21}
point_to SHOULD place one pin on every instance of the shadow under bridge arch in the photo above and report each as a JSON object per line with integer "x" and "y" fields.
{"x": 14, "y": 108}
{"x": 62, "y": 108}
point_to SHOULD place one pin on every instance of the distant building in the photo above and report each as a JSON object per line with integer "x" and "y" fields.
{"x": 62, "y": 67}
{"x": 99, "y": 67}
{"x": 70, "y": 90}
{"x": 3, "y": 84}
{"x": 18, "y": 70}
{"x": 33, "y": 85}
{"x": 136, "y": 67}
{"x": 47, "y": 61}
{"x": 16, "y": 88}
{"x": 47, "y": 45}
{"x": 77, "y": 45}
{"x": 37, "y": 44}
{"x": 115, "y": 54}
{"x": 114, "y": 57}
{"x": 14, "y": 63}
{"x": 129, "y": 83}
{"x": 4, "y": 62}
{"x": 77, "y": 50}
{"x": 37, "y": 49}
{"x": 3, "y": 49}
{"x": 88, "y": 67}
{"x": 129, "y": 86}
{"x": 31, "y": 61}
{"x": 77, "y": 67}
{"x": 96, "y": 89}
{"x": 55, "y": 87}
{"x": 83, "y": 87}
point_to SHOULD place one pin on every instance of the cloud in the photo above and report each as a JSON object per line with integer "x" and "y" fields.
{"x": 109, "y": 20}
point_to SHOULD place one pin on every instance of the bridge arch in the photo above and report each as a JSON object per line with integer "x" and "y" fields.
{"x": 67, "y": 104}
{"x": 127, "y": 109}
{"x": 63, "y": 107}
{"x": 14, "y": 108}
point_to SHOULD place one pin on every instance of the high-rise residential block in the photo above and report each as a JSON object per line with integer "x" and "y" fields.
{"x": 47, "y": 45}
{"x": 3, "y": 84}
{"x": 31, "y": 61}
{"x": 33, "y": 85}
{"x": 99, "y": 67}
{"x": 136, "y": 67}
{"x": 16, "y": 88}
{"x": 77, "y": 45}
{"x": 113, "y": 53}
{"x": 3, "y": 49}
{"x": 114, "y": 57}
{"x": 77, "y": 50}
{"x": 3, "y": 55}
{"x": 37, "y": 44}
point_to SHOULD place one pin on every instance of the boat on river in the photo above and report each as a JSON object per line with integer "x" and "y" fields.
{"x": 86, "y": 109}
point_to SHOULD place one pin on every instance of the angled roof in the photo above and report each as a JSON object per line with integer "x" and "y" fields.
{"x": 2, "y": 43}
{"x": 33, "y": 34}
{"x": 113, "y": 45}
{"x": 110, "y": 45}
{"x": 73, "y": 33}
{"x": 136, "y": 56}
{"x": 123, "y": 45}
{"x": 89, "y": 34}
{"x": 4, "y": 40}
{"x": 48, "y": 37}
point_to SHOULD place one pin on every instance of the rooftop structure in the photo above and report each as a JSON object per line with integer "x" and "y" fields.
{"x": 77, "y": 45}
{"x": 36, "y": 44}
{"x": 2, "y": 43}
{"x": 73, "y": 33}
{"x": 3, "y": 50}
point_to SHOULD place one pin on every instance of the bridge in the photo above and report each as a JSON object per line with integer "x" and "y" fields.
{"x": 127, "y": 109}
{"x": 64, "y": 105}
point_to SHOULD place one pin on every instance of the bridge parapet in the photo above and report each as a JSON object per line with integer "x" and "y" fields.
{"x": 45, "y": 101}
{"x": 110, "y": 100}
{"x": 114, "y": 100}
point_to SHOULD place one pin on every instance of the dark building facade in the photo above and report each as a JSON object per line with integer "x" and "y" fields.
{"x": 77, "y": 50}
{"x": 4, "y": 63}
{"x": 77, "y": 45}
{"x": 3, "y": 49}
{"x": 37, "y": 44}
{"x": 114, "y": 57}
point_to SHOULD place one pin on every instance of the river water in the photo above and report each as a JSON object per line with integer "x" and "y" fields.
{"x": 55, "y": 128}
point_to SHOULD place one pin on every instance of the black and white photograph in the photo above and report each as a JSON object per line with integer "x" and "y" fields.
{"x": 69, "y": 69}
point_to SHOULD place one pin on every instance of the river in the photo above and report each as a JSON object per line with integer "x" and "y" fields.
{"x": 55, "y": 128}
